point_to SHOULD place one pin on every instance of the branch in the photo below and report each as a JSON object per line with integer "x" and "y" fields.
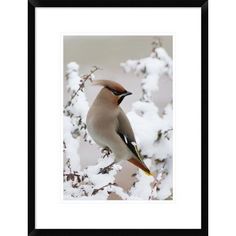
{"x": 154, "y": 189}
{"x": 85, "y": 78}
{"x": 106, "y": 169}
{"x": 95, "y": 191}
{"x": 165, "y": 134}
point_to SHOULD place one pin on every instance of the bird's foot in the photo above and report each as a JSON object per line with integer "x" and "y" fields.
{"x": 106, "y": 152}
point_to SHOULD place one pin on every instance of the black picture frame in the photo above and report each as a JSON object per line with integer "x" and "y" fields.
{"x": 32, "y": 4}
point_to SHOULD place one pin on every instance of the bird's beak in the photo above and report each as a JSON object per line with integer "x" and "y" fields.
{"x": 127, "y": 93}
{"x": 122, "y": 96}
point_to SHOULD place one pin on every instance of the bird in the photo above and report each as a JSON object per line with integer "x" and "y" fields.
{"x": 109, "y": 126}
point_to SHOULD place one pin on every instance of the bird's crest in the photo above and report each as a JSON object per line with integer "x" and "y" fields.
{"x": 110, "y": 85}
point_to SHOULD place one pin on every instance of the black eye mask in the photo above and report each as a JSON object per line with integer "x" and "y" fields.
{"x": 121, "y": 95}
{"x": 115, "y": 92}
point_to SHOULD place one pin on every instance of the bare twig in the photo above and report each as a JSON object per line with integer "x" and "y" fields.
{"x": 106, "y": 152}
{"x": 107, "y": 168}
{"x": 85, "y": 78}
{"x": 154, "y": 189}
{"x": 164, "y": 134}
{"x": 95, "y": 191}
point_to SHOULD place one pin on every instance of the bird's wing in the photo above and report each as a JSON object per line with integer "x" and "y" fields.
{"x": 124, "y": 126}
{"x": 126, "y": 133}
{"x": 138, "y": 159}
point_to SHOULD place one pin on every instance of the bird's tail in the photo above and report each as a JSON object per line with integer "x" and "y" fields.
{"x": 140, "y": 165}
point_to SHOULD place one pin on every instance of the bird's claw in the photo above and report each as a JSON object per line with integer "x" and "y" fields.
{"x": 106, "y": 152}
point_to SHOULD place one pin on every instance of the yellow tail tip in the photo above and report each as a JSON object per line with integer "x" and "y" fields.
{"x": 149, "y": 173}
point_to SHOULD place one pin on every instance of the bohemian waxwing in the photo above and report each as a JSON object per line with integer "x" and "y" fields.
{"x": 109, "y": 126}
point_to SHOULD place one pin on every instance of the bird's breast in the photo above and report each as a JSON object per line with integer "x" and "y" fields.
{"x": 99, "y": 123}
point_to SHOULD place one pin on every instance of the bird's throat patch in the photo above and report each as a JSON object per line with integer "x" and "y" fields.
{"x": 120, "y": 99}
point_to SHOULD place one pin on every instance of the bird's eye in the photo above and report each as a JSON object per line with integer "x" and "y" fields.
{"x": 115, "y": 92}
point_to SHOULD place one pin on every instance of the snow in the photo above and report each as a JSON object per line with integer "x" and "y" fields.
{"x": 73, "y": 76}
{"x": 129, "y": 65}
{"x": 163, "y": 55}
{"x": 72, "y": 66}
{"x": 72, "y": 145}
{"x": 100, "y": 180}
{"x": 146, "y": 124}
{"x": 166, "y": 184}
{"x": 142, "y": 188}
{"x": 152, "y": 68}
{"x": 120, "y": 192}
{"x": 152, "y": 131}
{"x": 95, "y": 181}
{"x": 80, "y": 106}
{"x": 92, "y": 76}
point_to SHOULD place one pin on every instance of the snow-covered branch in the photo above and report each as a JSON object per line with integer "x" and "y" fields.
{"x": 153, "y": 131}
{"x": 94, "y": 182}
{"x": 152, "y": 68}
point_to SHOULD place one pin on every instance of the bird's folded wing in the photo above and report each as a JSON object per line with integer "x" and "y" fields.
{"x": 127, "y": 135}
{"x": 124, "y": 126}
{"x": 138, "y": 161}
{"x": 131, "y": 145}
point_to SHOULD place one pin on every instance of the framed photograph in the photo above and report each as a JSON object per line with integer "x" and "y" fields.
{"x": 117, "y": 117}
